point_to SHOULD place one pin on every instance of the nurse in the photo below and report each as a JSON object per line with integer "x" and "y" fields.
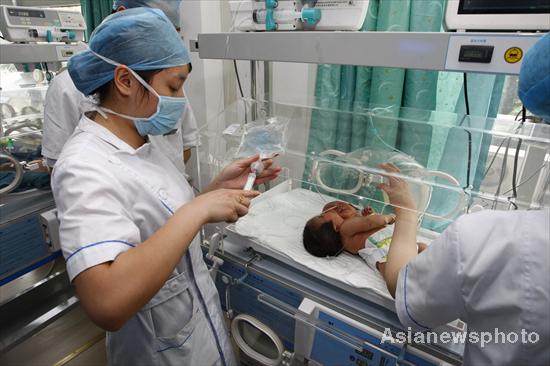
{"x": 128, "y": 217}
{"x": 491, "y": 269}
{"x": 64, "y": 104}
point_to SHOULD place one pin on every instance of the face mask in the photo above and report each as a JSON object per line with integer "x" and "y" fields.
{"x": 163, "y": 121}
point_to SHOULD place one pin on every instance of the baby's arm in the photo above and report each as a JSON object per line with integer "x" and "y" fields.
{"x": 361, "y": 224}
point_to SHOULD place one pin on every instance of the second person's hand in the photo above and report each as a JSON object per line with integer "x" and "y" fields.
{"x": 223, "y": 204}
{"x": 397, "y": 189}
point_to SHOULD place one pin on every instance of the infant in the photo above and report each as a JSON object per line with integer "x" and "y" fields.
{"x": 343, "y": 227}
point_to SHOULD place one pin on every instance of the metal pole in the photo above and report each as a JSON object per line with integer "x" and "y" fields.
{"x": 267, "y": 86}
{"x": 267, "y": 80}
{"x": 253, "y": 87}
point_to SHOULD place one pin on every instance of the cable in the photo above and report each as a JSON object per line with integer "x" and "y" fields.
{"x": 502, "y": 171}
{"x": 514, "y": 174}
{"x": 527, "y": 179}
{"x": 238, "y": 78}
{"x": 517, "y": 115}
{"x": 494, "y": 158}
{"x": 468, "y": 166}
{"x": 240, "y": 90}
{"x": 513, "y": 204}
{"x": 376, "y": 133}
{"x": 466, "y": 101}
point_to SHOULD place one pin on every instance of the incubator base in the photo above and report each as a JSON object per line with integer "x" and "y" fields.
{"x": 281, "y": 297}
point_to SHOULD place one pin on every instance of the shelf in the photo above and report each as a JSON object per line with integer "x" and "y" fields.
{"x": 410, "y": 50}
{"x": 17, "y": 53}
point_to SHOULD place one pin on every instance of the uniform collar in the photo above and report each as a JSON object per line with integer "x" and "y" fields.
{"x": 90, "y": 126}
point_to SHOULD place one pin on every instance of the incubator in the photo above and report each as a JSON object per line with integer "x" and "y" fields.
{"x": 474, "y": 162}
{"x": 21, "y": 115}
{"x": 34, "y": 287}
{"x": 453, "y": 164}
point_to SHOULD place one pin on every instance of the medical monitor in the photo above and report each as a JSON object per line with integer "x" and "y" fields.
{"x": 502, "y": 15}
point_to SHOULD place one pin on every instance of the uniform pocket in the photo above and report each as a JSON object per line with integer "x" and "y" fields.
{"x": 193, "y": 345}
{"x": 172, "y": 311}
{"x": 182, "y": 334}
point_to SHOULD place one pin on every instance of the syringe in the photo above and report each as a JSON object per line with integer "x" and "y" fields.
{"x": 256, "y": 168}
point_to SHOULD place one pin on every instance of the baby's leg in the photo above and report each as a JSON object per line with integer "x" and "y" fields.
{"x": 381, "y": 266}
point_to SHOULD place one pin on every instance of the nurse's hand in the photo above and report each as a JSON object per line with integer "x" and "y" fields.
{"x": 224, "y": 204}
{"x": 397, "y": 189}
{"x": 234, "y": 175}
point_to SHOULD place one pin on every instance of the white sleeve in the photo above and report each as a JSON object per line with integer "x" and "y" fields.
{"x": 429, "y": 288}
{"x": 190, "y": 131}
{"x": 95, "y": 222}
{"x": 62, "y": 113}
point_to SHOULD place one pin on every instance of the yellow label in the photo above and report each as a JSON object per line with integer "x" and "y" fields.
{"x": 513, "y": 55}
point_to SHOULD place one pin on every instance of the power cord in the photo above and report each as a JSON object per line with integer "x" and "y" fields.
{"x": 515, "y": 171}
{"x": 466, "y": 100}
{"x": 238, "y": 78}
{"x": 528, "y": 178}
{"x": 467, "y": 103}
{"x": 516, "y": 157}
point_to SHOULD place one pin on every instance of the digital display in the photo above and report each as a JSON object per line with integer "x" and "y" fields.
{"x": 473, "y": 54}
{"x": 504, "y": 7}
{"x": 26, "y": 13}
{"x": 478, "y": 54}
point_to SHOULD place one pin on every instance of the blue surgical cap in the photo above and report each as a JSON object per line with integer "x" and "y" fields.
{"x": 170, "y": 7}
{"x": 534, "y": 79}
{"x": 140, "y": 38}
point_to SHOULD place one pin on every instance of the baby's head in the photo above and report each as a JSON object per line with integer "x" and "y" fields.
{"x": 322, "y": 233}
{"x": 342, "y": 209}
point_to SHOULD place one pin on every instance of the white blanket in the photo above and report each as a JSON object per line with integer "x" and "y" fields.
{"x": 277, "y": 221}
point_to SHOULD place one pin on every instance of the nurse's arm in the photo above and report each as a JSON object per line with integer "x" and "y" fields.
{"x": 403, "y": 245}
{"x": 402, "y": 248}
{"x": 111, "y": 293}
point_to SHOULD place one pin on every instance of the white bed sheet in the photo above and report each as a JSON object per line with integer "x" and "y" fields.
{"x": 276, "y": 221}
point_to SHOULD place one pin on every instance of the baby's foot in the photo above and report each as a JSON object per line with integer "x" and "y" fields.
{"x": 373, "y": 254}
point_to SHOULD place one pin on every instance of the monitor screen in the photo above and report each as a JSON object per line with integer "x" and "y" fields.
{"x": 504, "y": 7}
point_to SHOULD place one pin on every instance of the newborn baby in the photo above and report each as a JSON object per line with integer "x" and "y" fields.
{"x": 343, "y": 227}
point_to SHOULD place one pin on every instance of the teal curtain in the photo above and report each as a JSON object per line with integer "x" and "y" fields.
{"x": 94, "y": 11}
{"x": 414, "y": 94}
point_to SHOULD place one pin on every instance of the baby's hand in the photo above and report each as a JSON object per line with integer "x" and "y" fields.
{"x": 390, "y": 219}
{"x": 367, "y": 211}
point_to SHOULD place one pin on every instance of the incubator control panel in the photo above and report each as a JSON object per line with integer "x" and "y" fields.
{"x": 488, "y": 52}
{"x": 26, "y": 24}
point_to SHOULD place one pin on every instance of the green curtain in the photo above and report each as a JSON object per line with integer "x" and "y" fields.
{"x": 415, "y": 94}
{"x": 94, "y": 11}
